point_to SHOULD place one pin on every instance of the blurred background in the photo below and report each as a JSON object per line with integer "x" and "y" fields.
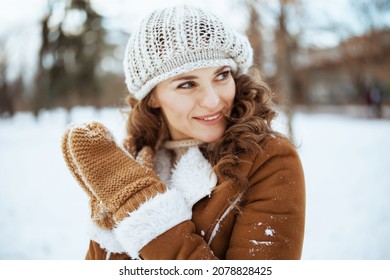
{"x": 66, "y": 53}
{"x": 327, "y": 61}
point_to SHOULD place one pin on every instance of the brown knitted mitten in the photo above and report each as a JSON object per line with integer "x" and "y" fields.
{"x": 99, "y": 214}
{"x": 117, "y": 180}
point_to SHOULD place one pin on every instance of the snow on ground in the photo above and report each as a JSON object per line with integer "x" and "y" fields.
{"x": 346, "y": 162}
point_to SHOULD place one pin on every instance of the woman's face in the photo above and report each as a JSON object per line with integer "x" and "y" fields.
{"x": 194, "y": 104}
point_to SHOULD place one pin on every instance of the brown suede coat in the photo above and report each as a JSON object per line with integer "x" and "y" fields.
{"x": 268, "y": 224}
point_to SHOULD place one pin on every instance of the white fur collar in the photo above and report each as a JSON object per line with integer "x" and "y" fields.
{"x": 192, "y": 175}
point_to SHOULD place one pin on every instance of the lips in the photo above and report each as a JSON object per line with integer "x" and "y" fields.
{"x": 210, "y": 118}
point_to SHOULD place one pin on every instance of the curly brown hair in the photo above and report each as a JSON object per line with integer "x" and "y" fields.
{"x": 247, "y": 127}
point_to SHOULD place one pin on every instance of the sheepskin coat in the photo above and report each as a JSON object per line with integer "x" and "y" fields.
{"x": 266, "y": 221}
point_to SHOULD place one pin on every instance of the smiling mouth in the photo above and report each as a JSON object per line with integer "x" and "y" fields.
{"x": 209, "y": 118}
{"x": 212, "y": 117}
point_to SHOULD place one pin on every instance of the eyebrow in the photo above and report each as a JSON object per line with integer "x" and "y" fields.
{"x": 180, "y": 78}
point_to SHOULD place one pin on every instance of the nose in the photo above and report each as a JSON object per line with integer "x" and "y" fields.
{"x": 209, "y": 98}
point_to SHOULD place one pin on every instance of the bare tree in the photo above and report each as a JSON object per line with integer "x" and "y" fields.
{"x": 6, "y": 99}
{"x": 286, "y": 47}
{"x": 69, "y": 57}
{"x": 367, "y": 54}
{"x": 254, "y": 34}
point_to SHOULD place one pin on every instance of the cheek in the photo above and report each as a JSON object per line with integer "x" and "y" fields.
{"x": 177, "y": 109}
{"x": 230, "y": 93}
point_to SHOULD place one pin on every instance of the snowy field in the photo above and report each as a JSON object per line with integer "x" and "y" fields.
{"x": 43, "y": 212}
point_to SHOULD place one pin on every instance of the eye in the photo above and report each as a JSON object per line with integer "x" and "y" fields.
{"x": 223, "y": 75}
{"x": 186, "y": 85}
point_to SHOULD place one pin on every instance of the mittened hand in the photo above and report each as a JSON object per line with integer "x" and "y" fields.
{"x": 110, "y": 175}
{"x": 127, "y": 198}
{"x": 99, "y": 214}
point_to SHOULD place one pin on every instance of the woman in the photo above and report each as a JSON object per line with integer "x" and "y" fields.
{"x": 202, "y": 175}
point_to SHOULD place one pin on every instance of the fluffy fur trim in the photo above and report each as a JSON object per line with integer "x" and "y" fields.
{"x": 153, "y": 218}
{"x": 162, "y": 165}
{"x": 193, "y": 176}
{"x": 105, "y": 238}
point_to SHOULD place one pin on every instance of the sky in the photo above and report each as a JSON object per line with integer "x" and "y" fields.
{"x": 20, "y": 14}
{"x": 19, "y": 22}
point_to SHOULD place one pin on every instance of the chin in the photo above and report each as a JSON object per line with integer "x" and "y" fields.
{"x": 211, "y": 138}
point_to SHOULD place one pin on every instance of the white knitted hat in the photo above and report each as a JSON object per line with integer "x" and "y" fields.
{"x": 176, "y": 40}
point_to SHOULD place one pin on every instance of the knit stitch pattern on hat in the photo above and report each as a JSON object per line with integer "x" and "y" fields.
{"x": 119, "y": 182}
{"x": 176, "y": 40}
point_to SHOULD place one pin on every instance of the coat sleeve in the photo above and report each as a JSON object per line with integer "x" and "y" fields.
{"x": 271, "y": 222}
{"x": 179, "y": 243}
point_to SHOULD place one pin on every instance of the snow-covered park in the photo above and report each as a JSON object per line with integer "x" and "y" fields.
{"x": 346, "y": 160}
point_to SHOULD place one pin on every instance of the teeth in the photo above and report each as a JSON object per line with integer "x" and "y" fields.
{"x": 211, "y": 118}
